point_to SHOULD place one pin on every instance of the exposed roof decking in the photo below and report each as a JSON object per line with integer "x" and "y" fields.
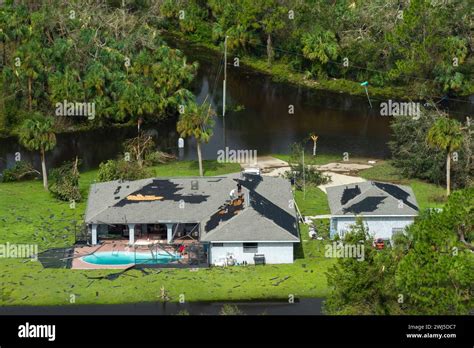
{"x": 198, "y": 204}
{"x": 269, "y": 216}
{"x": 372, "y": 198}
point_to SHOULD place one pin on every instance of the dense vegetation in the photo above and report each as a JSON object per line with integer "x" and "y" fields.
{"x": 64, "y": 184}
{"x": 111, "y": 53}
{"x": 425, "y": 46}
{"x": 86, "y": 52}
{"x": 428, "y": 271}
{"x": 136, "y": 161}
{"x": 413, "y": 155}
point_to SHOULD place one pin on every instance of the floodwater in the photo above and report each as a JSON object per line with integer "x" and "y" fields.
{"x": 258, "y": 118}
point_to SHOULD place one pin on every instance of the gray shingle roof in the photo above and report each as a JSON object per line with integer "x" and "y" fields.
{"x": 269, "y": 217}
{"x": 372, "y": 198}
{"x": 250, "y": 226}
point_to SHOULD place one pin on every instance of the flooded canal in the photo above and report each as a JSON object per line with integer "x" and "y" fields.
{"x": 258, "y": 118}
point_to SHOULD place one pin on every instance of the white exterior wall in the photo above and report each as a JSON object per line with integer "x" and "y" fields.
{"x": 379, "y": 227}
{"x": 274, "y": 252}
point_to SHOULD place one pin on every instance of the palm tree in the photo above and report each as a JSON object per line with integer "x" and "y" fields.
{"x": 320, "y": 45}
{"x": 197, "y": 121}
{"x": 37, "y": 135}
{"x": 446, "y": 135}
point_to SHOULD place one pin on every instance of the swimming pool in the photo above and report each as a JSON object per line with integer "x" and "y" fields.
{"x": 118, "y": 258}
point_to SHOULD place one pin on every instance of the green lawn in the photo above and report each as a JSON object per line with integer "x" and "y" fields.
{"x": 191, "y": 168}
{"x": 427, "y": 195}
{"x": 27, "y": 283}
{"x": 313, "y": 203}
{"x": 382, "y": 171}
{"x": 28, "y": 214}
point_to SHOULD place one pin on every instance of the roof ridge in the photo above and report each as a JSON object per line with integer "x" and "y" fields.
{"x": 221, "y": 226}
{"x": 368, "y": 187}
{"x": 379, "y": 191}
{"x": 272, "y": 221}
{"x": 388, "y": 193}
{"x": 406, "y": 189}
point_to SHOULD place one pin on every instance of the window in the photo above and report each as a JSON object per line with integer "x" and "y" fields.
{"x": 251, "y": 248}
{"x": 217, "y": 244}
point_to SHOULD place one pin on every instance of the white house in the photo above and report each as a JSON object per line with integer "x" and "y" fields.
{"x": 385, "y": 208}
{"x": 235, "y": 219}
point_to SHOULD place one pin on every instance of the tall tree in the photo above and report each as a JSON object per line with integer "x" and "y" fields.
{"x": 427, "y": 271}
{"x": 38, "y": 135}
{"x": 320, "y": 46}
{"x": 274, "y": 14}
{"x": 446, "y": 135}
{"x": 115, "y": 60}
{"x": 362, "y": 286}
{"x": 435, "y": 274}
{"x": 414, "y": 158}
{"x": 197, "y": 121}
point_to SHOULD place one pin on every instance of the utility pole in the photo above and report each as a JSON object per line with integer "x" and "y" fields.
{"x": 139, "y": 123}
{"x": 224, "y": 89}
{"x": 304, "y": 180}
{"x": 225, "y": 76}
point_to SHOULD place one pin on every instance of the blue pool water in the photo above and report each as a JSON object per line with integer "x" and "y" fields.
{"x": 126, "y": 258}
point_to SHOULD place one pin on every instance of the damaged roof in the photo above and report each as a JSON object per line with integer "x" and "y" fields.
{"x": 267, "y": 213}
{"x": 372, "y": 198}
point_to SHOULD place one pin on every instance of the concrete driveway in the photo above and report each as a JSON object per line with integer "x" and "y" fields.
{"x": 340, "y": 179}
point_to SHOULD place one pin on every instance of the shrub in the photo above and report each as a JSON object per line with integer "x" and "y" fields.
{"x": 64, "y": 182}
{"x": 311, "y": 176}
{"x": 158, "y": 157}
{"x": 22, "y": 170}
{"x": 122, "y": 170}
{"x": 322, "y": 227}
